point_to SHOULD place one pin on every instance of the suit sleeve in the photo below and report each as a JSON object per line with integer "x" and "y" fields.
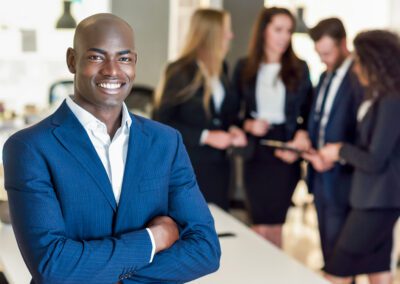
{"x": 384, "y": 139}
{"x": 237, "y": 90}
{"x": 306, "y": 91}
{"x": 37, "y": 219}
{"x": 197, "y": 252}
{"x": 168, "y": 111}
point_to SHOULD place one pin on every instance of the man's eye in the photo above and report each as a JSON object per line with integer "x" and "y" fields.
{"x": 95, "y": 57}
{"x": 125, "y": 59}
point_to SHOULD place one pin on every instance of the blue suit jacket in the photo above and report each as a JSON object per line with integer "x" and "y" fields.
{"x": 341, "y": 127}
{"x": 66, "y": 220}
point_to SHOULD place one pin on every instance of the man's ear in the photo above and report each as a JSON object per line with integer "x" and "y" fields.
{"x": 71, "y": 60}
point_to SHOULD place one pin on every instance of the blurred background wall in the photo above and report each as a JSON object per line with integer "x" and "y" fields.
{"x": 32, "y": 50}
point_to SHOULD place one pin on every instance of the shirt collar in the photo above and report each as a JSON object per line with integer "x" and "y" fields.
{"x": 341, "y": 71}
{"x": 89, "y": 121}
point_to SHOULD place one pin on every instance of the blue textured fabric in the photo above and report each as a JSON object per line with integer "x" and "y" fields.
{"x": 67, "y": 223}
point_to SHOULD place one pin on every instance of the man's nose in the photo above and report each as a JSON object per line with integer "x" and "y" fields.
{"x": 110, "y": 68}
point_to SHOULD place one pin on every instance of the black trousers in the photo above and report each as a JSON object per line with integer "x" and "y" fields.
{"x": 331, "y": 217}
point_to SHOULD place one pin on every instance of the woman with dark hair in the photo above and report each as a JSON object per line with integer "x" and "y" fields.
{"x": 365, "y": 243}
{"x": 194, "y": 97}
{"x": 275, "y": 87}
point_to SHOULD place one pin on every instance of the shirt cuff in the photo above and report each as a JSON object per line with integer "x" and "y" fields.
{"x": 203, "y": 136}
{"x": 153, "y": 245}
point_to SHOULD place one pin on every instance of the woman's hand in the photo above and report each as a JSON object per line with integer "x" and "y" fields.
{"x": 288, "y": 157}
{"x": 316, "y": 160}
{"x": 218, "y": 139}
{"x": 302, "y": 141}
{"x": 256, "y": 127}
{"x": 330, "y": 152}
{"x": 239, "y": 138}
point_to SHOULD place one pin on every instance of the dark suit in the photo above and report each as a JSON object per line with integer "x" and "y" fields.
{"x": 297, "y": 102}
{"x": 376, "y": 157}
{"x": 270, "y": 182}
{"x": 365, "y": 242}
{"x": 331, "y": 189}
{"x": 190, "y": 118}
{"x": 67, "y": 222}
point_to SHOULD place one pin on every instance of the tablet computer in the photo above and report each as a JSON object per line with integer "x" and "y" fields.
{"x": 279, "y": 145}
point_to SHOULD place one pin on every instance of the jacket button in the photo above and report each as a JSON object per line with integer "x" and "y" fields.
{"x": 216, "y": 122}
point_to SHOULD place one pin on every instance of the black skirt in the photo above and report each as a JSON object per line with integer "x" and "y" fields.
{"x": 365, "y": 243}
{"x": 269, "y": 181}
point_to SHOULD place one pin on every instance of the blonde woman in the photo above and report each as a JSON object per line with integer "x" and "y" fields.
{"x": 194, "y": 97}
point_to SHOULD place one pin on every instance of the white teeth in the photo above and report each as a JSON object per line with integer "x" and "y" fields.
{"x": 110, "y": 85}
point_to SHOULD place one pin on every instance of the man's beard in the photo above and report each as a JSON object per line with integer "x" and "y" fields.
{"x": 342, "y": 57}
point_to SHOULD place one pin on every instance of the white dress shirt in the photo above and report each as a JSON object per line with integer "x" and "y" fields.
{"x": 218, "y": 93}
{"x": 363, "y": 109}
{"x": 333, "y": 90}
{"x": 112, "y": 153}
{"x": 218, "y": 96}
{"x": 270, "y": 94}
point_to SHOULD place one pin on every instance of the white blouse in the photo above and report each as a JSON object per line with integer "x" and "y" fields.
{"x": 218, "y": 93}
{"x": 270, "y": 94}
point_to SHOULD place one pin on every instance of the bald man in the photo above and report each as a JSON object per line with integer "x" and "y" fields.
{"x": 98, "y": 195}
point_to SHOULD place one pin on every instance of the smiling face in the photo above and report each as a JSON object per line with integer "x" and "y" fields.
{"x": 103, "y": 61}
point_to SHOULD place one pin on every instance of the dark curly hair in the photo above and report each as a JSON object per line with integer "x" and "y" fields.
{"x": 378, "y": 52}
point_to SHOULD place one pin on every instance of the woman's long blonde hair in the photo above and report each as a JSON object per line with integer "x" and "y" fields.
{"x": 204, "y": 45}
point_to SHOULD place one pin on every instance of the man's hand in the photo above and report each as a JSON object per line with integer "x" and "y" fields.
{"x": 239, "y": 138}
{"x": 218, "y": 139}
{"x": 317, "y": 161}
{"x": 257, "y": 127}
{"x": 165, "y": 232}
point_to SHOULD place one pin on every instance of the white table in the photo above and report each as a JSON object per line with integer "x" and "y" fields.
{"x": 247, "y": 258}
{"x": 11, "y": 260}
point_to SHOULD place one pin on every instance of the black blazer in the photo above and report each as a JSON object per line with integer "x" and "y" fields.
{"x": 297, "y": 103}
{"x": 190, "y": 118}
{"x": 341, "y": 127}
{"x": 376, "y": 157}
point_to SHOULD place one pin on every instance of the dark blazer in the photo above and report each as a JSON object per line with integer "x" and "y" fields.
{"x": 376, "y": 157}
{"x": 67, "y": 222}
{"x": 189, "y": 116}
{"x": 341, "y": 127}
{"x": 297, "y": 103}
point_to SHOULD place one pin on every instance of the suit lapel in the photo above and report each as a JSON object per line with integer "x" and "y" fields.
{"x": 312, "y": 124}
{"x": 71, "y": 134}
{"x": 343, "y": 90}
{"x": 139, "y": 143}
{"x": 252, "y": 96}
{"x": 227, "y": 99}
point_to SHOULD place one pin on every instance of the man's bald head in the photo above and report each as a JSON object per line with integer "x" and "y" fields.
{"x": 103, "y": 61}
{"x": 102, "y": 23}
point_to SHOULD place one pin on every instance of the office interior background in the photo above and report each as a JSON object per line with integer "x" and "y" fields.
{"x": 32, "y": 59}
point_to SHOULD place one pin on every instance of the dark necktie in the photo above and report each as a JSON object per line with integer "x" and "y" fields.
{"x": 319, "y": 112}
